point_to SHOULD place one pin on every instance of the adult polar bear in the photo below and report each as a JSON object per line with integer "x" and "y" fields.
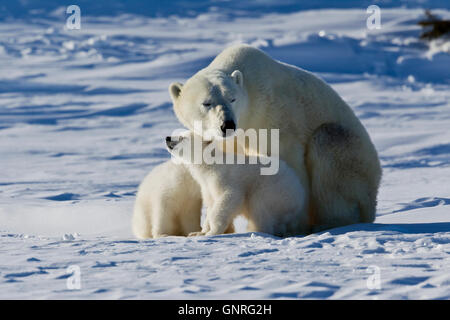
{"x": 320, "y": 136}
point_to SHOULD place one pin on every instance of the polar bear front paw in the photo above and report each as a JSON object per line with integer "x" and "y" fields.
{"x": 196, "y": 234}
{"x": 160, "y": 235}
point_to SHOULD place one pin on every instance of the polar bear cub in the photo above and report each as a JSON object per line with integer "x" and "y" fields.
{"x": 272, "y": 204}
{"x": 168, "y": 202}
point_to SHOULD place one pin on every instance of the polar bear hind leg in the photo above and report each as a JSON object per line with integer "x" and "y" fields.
{"x": 189, "y": 219}
{"x": 342, "y": 185}
{"x": 164, "y": 221}
{"x": 141, "y": 221}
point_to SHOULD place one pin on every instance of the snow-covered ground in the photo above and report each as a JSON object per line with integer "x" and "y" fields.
{"x": 83, "y": 114}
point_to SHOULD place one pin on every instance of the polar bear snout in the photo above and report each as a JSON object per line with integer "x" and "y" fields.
{"x": 228, "y": 127}
{"x": 171, "y": 142}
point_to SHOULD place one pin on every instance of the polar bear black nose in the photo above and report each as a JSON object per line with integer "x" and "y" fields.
{"x": 170, "y": 143}
{"x": 227, "y": 125}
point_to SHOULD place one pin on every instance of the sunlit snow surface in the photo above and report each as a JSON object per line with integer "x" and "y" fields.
{"x": 84, "y": 113}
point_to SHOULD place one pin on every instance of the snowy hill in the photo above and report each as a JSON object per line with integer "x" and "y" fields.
{"x": 83, "y": 114}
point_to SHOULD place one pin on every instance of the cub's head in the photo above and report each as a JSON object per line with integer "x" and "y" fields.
{"x": 210, "y": 102}
{"x": 186, "y": 147}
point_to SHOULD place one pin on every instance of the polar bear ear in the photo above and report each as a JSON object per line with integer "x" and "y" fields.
{"x": 175, "y": 90}
{"x": 238, "y": 78}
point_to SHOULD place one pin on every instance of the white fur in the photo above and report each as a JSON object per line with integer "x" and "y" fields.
{"x": 168, "y": 202}
{"x": 320, "y": 136}
{"x": 272, "y": 203}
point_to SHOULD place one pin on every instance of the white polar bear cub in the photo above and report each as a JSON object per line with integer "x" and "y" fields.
{"x": 272, "y": 203}
{"x": 168, "y": 202}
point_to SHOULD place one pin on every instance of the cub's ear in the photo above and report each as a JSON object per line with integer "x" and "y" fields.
{"x": 175, "y": 90}
{"x": 238, "y": 78}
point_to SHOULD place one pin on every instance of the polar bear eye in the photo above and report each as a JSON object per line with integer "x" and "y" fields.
{"x": 232, "y": 100}
{"x": 206, "y": 104}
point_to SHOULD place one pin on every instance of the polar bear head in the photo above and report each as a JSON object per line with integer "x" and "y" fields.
{"x": 210, "y": 102}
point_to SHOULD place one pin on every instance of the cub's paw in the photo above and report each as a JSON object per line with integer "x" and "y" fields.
{"x": 196, "y": 234}
{"x": 213, "y": 233}
{"x": 162, "y": 235}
